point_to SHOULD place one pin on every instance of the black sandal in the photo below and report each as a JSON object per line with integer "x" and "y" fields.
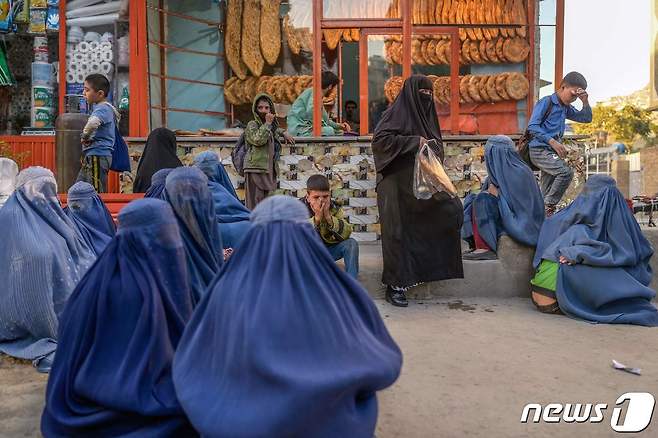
{"x": 553, "y": 308}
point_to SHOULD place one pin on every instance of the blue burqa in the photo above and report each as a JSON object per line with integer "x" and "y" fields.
{"x": 232, "y": 216}
{"x": 157, "y": 184}
{"x": 112, "y": 371}
{"x": 210, "y": 164}
{"x": 187, "y": 192}
{"x": 42, "y": 258}
{"x": 610, "y": 278}
{"x": 285, "y": 343}
{"x": 88, "y": 212}
{"x": 518, "y": 210}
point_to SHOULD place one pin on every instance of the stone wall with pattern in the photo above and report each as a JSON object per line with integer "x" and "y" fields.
{"x": 349, "y": 167}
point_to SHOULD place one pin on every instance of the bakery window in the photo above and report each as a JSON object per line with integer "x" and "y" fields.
{"x": 186, "y": 65}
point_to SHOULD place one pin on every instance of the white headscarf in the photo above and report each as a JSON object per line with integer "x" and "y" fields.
{"x": 8, "y": 173}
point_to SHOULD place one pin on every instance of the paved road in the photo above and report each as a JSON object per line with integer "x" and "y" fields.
{"x": 469, "y": 368}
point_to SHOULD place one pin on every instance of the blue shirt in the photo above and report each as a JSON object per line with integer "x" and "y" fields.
{"x": 102, "y": 141}
{"x": 554, "y": 125}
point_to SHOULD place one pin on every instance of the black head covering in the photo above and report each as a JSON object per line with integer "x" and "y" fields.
{"x": 159, "y": 153}
{"x": 411, "y": 114}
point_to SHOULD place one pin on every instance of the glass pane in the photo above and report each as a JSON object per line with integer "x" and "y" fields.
{"x": 361, "y": 9}
{"x": 546, "y": 60}
{"x": 384, "y": 74}
{"x": 547, "y": 12}
{"x": 349, "y": 93}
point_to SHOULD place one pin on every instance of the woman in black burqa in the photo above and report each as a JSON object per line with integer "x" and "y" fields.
{"x": 159, "y": 153}
{"x": 420, "y": 238}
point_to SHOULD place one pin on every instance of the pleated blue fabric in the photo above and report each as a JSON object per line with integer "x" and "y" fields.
{"x": 112, "y": 373}
{"x": 518, "y": 210}
{"x": 187, "y": 192}
{"x": 8, "y": 174}
{"x": 609, "y": 282}
{"x": 212, "y": 166}
{"x": 285, "y": 343}
{"x": 90, "y": 215}
{"x": 42, "y": 257}
{"x": 157, "y": 184}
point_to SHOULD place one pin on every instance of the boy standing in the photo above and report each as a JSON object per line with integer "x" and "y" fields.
{"x": 263, "y": 138}
{"x": 327, "y": 218}
{"x": 547, "y": 128}
{"x": 98, "y": 135}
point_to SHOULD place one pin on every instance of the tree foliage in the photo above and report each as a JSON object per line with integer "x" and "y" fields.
{"x": 624, "y": 125}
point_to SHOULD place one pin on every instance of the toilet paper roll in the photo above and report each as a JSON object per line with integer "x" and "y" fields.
{"x": 79, "y": 58}
{"x": 95, "y": 57}
{"x": 93, "y": 46}
{"x": 80, "y": 78}
{"x": 95, "y": 68}
{"x": 107, "y": 56}
{"x": 106, "y": 45}
{"x": 70, "y": 77}
{"x": 83, "y": 47}
{"x": 106, "y": 68}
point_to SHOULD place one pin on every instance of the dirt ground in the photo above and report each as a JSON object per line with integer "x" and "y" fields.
{"x": 469, "y": 369}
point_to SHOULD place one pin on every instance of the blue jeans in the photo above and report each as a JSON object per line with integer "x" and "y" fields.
{"x": 556, "y": 175}
{"x": 348, "y": 250}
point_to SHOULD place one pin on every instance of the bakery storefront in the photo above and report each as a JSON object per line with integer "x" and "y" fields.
{"x": 195, "y": 67}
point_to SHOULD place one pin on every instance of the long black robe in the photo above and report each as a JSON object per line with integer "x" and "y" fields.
{"x": 420, "y": 238}
{"x": 159, "y": 153}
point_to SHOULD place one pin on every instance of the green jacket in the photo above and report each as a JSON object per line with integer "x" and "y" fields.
{"x": 263, "y": 141}
{"x": 300, "y": 117}
{"x": 331, "y": 233}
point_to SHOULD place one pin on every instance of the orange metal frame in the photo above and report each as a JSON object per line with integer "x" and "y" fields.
{"x": 425, "y": 30}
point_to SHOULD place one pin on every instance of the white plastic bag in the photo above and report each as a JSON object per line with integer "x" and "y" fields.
{"x": 429, "y": 175}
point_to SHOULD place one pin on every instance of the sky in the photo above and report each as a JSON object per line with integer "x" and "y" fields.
{"x": 609, "y": 42}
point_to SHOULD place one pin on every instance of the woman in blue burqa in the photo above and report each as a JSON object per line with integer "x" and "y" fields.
{"x": 510, "y": 202}
{"x": 112, "y": 372}
{"x": 210, "y": 164}
{"x": 232, "y": 215}
{"x": 187, "y": 192}
{"x": 42, "y": 257}
{"x": 592, "y": 260}
{"x": 90, "y": 215}
{"x": 157, "y": 184}
{"x": 285, "y": 343}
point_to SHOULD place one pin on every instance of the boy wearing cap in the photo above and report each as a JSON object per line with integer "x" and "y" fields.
{"x": 547, "y": 128}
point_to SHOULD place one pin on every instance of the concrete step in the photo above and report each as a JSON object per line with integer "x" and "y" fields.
{"x": 506, "y": 277}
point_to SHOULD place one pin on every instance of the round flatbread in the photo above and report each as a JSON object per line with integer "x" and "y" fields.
{"x": 490, "y": 48}
{"x": 483, "y": 51}
{"x": 228, "y": 90}
{"x": 416, "y": 54}
{"x": 517, "y": 86}
{"x": 475, "y": 52}
{"x": 430, "y": 53}
{"x": 347, "y": 35}
{"x": 499, "y": 49}
{"x": 463, "y": 89}
{"x": 424, "y": 51}
{"x": 482, "y": 88}
{"x": 466, "y": 52}
{"x": 516, "y": 49}
{"x": 473, "y": 89}
{"x": 501, "y": 86}
{"x": 261, "y": 84}
{"x": 440, "y": 51}
{"x": 491, "y": 89}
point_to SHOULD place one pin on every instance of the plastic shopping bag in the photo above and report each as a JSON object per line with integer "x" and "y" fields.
{"x": 429, "y": 175}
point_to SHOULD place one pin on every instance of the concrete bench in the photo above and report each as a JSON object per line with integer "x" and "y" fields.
{"x": 509, "y": 276}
